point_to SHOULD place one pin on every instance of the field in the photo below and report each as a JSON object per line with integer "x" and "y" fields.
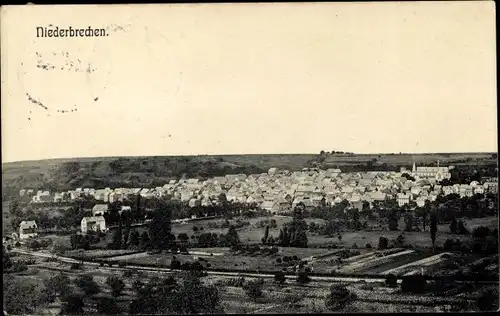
{"x": 289, "y": 298}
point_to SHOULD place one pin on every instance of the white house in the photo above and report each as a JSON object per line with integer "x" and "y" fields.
{"x": 99, "y": 209}
{"x": 403, "y": 199}
{"x": 27, "y": 229}
{"x": 93, "y": 223}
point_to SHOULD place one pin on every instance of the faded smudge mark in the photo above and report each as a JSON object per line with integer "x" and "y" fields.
{"x": 118, "y": 28}
{"x": 34, "y": 101}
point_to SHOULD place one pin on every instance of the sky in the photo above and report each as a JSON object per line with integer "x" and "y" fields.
{"x": 250, "y": 78}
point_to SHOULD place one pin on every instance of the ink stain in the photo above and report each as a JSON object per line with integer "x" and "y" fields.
{"x": 95, "y": 99}
{"x": 34, "y": 101}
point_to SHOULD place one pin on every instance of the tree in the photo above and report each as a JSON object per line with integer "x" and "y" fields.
{"x": 391, "y": 280}
{"x": 400, "y": 240}
{"x": 383, "y": 243}
{"x": 117, "y": 238}
{"x": 409, "y": 223}
{"x": 303, "y": 277}
{"x": 145, "y": 241}
{"x": 115, "y": 284}
{"x": 56, "y": 285}
{"x": 87, "y": 284}
{"x": 413, "y": 284}
{"x": 433, "y": 229}
{"x": 453, "y": 226}
{"x": 488, "y": 300}
{"x": 20, "y": 298}
{"x": 339, "y": 237}
{"x": 298, "y": 228}
{"x": 461, "y": 229}
{"x": 125, "y": 238}
{"x": 107, "y": 306}
{"x": 266, "y": 236}
{"x": 175, "y": 263}
{"x": 183, "y": 238}
{"x": 338, "y": 297}
{"x": 279, "y": 276}
{"x": 253, "y": 288}
{"x": 160, "y": 229}
{"x": 134, "y": 238}
{"x": 72, "y": 305}
{"x": 232, "y": 237}
{"x": 58, "y": 248}
{"x": 392, "y": 221}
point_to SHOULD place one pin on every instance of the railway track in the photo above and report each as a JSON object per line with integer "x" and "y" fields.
{"x": 360, "y": 278}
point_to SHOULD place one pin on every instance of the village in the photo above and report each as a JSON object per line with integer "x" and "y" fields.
{"x": 279, "y": 191}
{"x": 241, "y": 250}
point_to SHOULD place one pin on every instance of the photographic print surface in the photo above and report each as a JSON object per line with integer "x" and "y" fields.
{"x": 249, "y": 158}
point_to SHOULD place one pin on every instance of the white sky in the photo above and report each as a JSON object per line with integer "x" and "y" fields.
{"x": 251, "y": 78}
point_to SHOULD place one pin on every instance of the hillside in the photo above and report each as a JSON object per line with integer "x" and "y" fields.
{"x": 65, "y": 174}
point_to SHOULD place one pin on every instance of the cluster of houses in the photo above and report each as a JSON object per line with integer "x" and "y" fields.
{"x": 277, "y": 191}
{"x": 281, "y": 190}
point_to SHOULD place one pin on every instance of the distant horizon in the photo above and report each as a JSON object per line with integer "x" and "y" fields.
{"x": 251, "y": 154}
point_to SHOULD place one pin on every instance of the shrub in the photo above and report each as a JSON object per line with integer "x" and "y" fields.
{"x": 391, "y": 280}
{"x": 368, "y": 246}
{"x": 116, "y": 285}
{"x": 87, "y": 284}
{"x": 383, "y": 243}
{"x": 76, "y": 266}
{"x": 127, "y": 273}
{"x": 338, "y": 297}
{"x": 413, "y": 284}
{"x": 354, "y": 246}
{"x": 175, "y": 264}
{"x": 253, "y": 288}
{"x": 303, "y": 277}
{"x": 121, "y": 264}
{"x": 278, "y": 260}
{"x": 237, "y": 282}
{"x": 280, "y": 277}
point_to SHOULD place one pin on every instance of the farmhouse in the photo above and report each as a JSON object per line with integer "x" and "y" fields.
{"x": 403, "y": 199}
{"x": 27, "y": 229}
{"x": 99, "y": 209}
{"x": 93, "y": 223}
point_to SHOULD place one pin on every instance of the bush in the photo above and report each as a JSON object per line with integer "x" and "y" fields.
{"x": 368, "y": 246}
{"x": 303, "y": 277}
{"x": 87, "y": 284}
{"x": 237, "y": 282}
{"x": 413, "y": 284}
{"x": 76, "y": 266}
{"x": 338, "y": 297}
{"x": 127, "y": 273}
{"x": 253, "y": 288}
{"x": 383, "y": 243}
{"x": 391, "y": 280}
{"x": 121, "y": 264}
{"x": 116, "y": 285}
{"x": 175, "y": 264}
{"x": 280, "y": 277}
{"x": 278, "y": 260}
{"x": 354, "y": 246}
